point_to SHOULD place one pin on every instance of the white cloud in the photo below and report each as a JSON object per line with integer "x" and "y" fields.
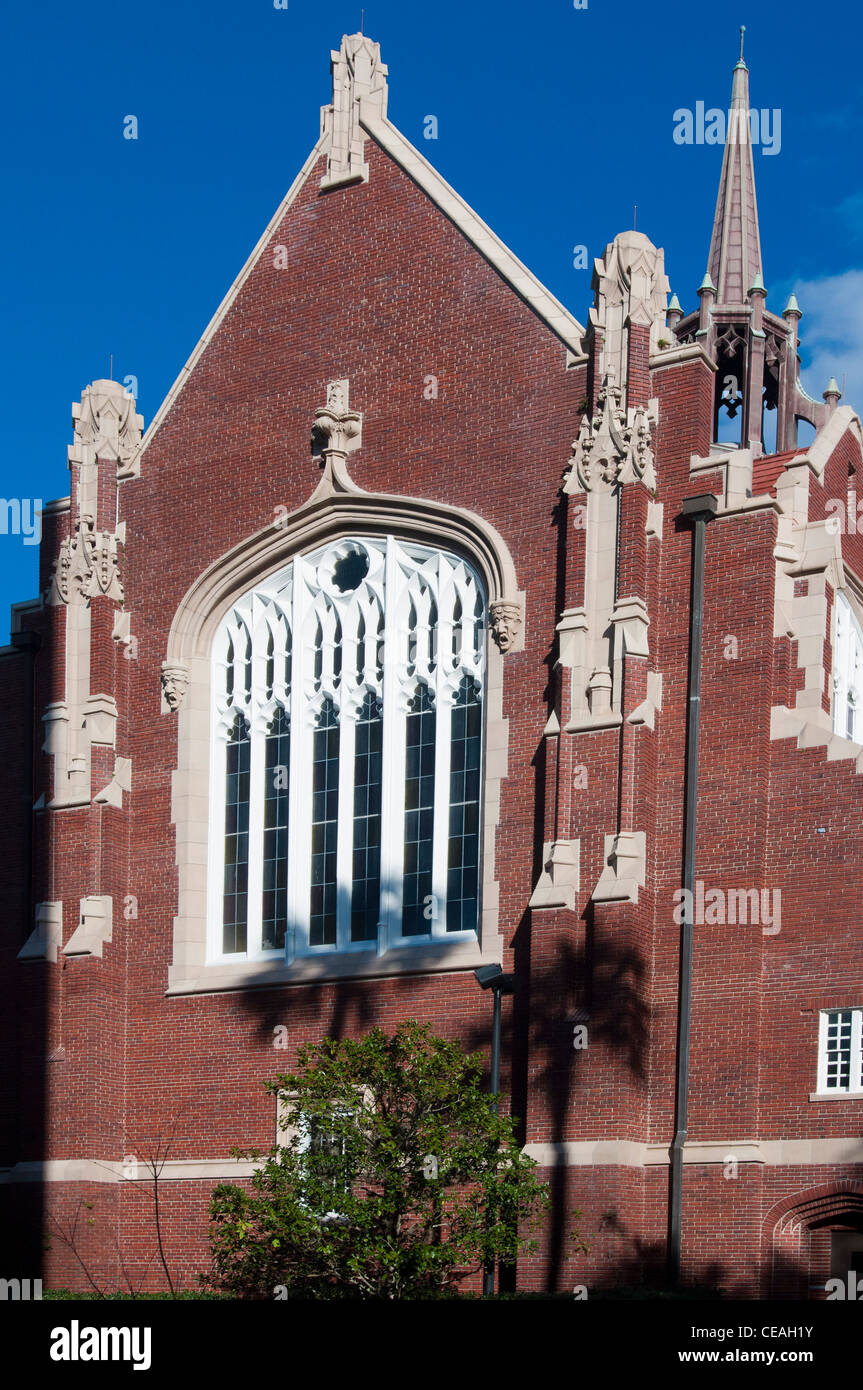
{"x": 831, "y": 334}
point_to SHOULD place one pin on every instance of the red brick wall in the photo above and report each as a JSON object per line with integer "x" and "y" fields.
{"x": 382, "y": 289}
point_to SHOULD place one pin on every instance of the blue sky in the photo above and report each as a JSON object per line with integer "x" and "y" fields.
{"x": 552, "y": 122}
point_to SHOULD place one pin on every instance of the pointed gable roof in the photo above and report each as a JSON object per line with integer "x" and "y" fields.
{"x": 358, "y": 109}
{"x": 359, "y": 106}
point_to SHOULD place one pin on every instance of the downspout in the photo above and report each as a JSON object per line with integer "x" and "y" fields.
{"x": 700, "y": 509}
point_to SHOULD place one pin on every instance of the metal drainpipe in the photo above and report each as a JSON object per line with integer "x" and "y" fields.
{"x": 700, "y": 509}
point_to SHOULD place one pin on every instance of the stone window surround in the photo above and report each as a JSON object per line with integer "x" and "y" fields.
{"x": 329, "y": 514}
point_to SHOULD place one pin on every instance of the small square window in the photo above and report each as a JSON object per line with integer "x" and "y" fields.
{"x": 840, "y": 1052}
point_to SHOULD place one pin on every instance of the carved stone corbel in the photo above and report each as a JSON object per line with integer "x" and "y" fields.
{"x": 506, "y": 618}
{"x": 175, "y": 683}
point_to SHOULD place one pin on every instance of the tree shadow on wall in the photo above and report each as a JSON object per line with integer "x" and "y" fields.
{"x": 595, "y": 984}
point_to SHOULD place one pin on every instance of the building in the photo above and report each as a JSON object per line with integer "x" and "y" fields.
{"x": 358, "y": 554}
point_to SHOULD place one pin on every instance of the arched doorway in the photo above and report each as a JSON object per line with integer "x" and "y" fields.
{"x": 812, "y": 1237}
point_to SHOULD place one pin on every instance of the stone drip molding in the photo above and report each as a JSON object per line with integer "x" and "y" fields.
{"x": 631, "y": 1153}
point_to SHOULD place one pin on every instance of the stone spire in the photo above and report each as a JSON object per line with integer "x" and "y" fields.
{"x": 735, "y": 247}
{"x": 754, "y": 350}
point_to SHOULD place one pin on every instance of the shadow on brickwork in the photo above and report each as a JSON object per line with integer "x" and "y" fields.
{"x": 25, "y": 1045}
{"x": 597, "y": 985}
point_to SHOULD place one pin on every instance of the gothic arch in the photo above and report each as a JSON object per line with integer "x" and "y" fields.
{"x": 337, "y": 508}
{"x": 334, "y": 511}
{"x": 792, "y": 1266}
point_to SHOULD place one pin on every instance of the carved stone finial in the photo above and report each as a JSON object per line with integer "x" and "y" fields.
{"x": 630, "y": 287}
{"x": 359, "y": 88}
{"x": 175, "y": 683}
{"x": 106, "y": 424}
{"x": 505, "y": 616}
{"x": 342, "y": 427}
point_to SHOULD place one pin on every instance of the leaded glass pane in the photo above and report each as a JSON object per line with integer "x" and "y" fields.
{"x": 462, "y": 899}
{"x": 366, "y": 887}
{"x": 236, "y": 879}
{"x": 417, "y": 904}
{"x": 325, "y": 816}
{"x": 275, "y": 866}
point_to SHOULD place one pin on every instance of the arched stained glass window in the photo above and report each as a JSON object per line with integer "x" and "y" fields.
{"x": 347, "y": 754}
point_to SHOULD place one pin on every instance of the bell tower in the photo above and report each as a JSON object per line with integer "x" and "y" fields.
{"x": 755, "y": 350}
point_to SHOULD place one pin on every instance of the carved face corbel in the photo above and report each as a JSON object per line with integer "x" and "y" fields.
{"x": 505, "y": 617}
{"x": 175, "y": 683}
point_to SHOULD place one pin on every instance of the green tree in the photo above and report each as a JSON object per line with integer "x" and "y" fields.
{"x": 395, "y": 1179}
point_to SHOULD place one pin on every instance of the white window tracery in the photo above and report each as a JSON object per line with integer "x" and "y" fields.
{"x": 346, "y": 755}
{"x": 847, "y": 672}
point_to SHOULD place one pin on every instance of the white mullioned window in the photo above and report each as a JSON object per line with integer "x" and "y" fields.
{"x": 840, "y": 1052}
{"x": 346, "y": 755}
{"x": 847, "y": 672}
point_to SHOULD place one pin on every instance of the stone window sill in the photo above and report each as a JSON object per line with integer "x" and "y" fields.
{"x": 403, "y": 960}
{"x": 836, "y": 1095}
